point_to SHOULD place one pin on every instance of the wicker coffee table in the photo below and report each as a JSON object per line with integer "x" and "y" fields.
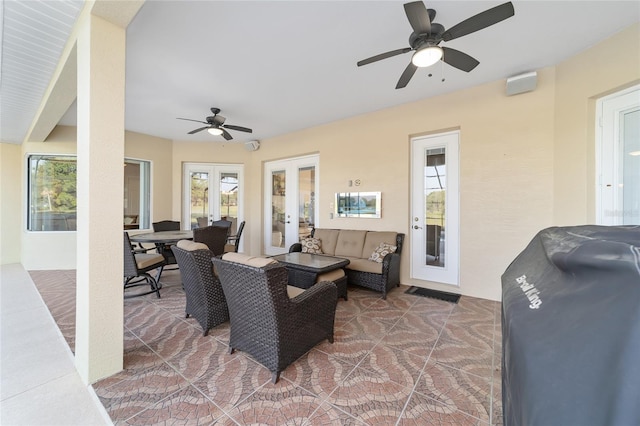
{"x": 304, "y": 268}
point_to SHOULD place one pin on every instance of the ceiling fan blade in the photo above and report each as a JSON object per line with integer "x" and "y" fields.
{"x": 238, "y": 128}
{"x": 481, "y": 20}
{"x": 418, "y": 17}
{"x": 188, "y": 119}
{"x": 458, "y": 59}
{"x": 226, "y": 135}
{"x": 383, "y": 56}
{"x": 406, "y": 75}
{"x": 198, "y": 130}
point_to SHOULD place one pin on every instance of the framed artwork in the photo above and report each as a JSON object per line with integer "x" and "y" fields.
{"x": 358, "y": 204}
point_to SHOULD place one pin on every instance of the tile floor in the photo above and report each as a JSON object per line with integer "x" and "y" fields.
{"x": 407, "y": 360}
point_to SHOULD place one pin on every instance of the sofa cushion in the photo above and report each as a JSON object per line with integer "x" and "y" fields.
{"x": 373, "y": 240}
{"x": 329, "y": 238}
{"x": 311, "y": 245}
{"x": 364, "y": 265}
{"x": 189, "y": 245}
{"x": 381, "y": 251}
{"x": 350, "y": 243}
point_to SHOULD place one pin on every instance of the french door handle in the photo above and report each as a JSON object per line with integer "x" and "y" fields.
{"x": 417, "y": 227}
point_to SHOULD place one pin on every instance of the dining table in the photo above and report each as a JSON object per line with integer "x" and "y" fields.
{"x": 162, "y": 237}
{"x": 163, "y": 241}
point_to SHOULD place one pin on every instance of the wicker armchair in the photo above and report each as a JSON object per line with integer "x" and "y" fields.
{"x": 214, "y": 237}
{"x": 265, "y": 323}
{"x": 137, "y": 266}
{"x": 205, "y": 298}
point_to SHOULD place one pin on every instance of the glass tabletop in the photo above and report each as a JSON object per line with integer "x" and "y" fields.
{"x": 161, "y": 236}
{"x": 309, "y": 260}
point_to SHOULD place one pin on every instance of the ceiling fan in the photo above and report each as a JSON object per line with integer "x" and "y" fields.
{"x": 215, "y": 125}
{"x": 427, "y": 35}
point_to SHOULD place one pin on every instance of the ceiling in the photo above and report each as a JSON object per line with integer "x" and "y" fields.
{"x": 281, "y": 66}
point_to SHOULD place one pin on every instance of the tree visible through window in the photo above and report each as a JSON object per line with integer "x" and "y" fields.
{"x": 52, "y": 193}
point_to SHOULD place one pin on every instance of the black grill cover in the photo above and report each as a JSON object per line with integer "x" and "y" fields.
{"x": 571, "y": 329}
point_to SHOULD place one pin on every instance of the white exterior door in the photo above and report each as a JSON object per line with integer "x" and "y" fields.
{"x": 435, "y": 208}
{"x": 212, "y": 192}
{"x": 291, "y": 190}
{"x": 618, "y": 159}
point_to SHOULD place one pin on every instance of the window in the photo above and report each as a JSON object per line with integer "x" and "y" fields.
{"x": 52, "y": 193}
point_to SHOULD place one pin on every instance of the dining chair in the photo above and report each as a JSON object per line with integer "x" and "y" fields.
{"x": 137, "y": 266}
{"x": 233, "y": 241}
{"x": 166, "y": 225}
{"x": 165, "y": 249}
{"x": 223, "y": 223}
{"x": 215, "y": 237}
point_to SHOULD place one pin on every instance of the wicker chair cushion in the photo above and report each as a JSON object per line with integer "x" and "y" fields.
{"x": 144, "y": 260}
{"x": 381, "y": 251}
{"x": 191, "y": 245}
{"x": 330, "y": 276}
{"x": 294, "y": 291}
{"x": 373, "y": 240}
{"x": 311, "y": 245}
{"x": 255, "y": 261}
{"x": 329, "y": 238}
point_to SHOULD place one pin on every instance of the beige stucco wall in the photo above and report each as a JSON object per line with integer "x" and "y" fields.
{"x": 10, "y": 202}
{"x": 41, "y": 250}
{"x": 610, "y": 66}
{"x": 506, "y": 157}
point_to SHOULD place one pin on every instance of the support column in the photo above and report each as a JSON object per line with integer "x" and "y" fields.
{"x": 100, "y": 148}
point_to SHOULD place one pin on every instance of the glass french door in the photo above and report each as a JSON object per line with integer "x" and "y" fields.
{"x": 618, "y": 159}
{"x": 212, "y": 192}
{"x": 435, "y": 212}
{"x": 291, "y": 189}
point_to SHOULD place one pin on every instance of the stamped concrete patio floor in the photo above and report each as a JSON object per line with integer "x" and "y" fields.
{"x": 407, "y": 360}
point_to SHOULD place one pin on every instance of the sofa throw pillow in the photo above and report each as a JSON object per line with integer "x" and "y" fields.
{"x": 311, "y": 245}
{"x": 381, "y": 251}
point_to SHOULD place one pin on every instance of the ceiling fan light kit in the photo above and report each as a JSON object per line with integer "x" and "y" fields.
{"x": 427, "y": 35}
{"x": 426, "y": 56}
{"x": 215, "y": 131}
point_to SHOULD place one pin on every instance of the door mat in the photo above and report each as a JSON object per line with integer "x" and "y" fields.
{"x": 434, "y": 294}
